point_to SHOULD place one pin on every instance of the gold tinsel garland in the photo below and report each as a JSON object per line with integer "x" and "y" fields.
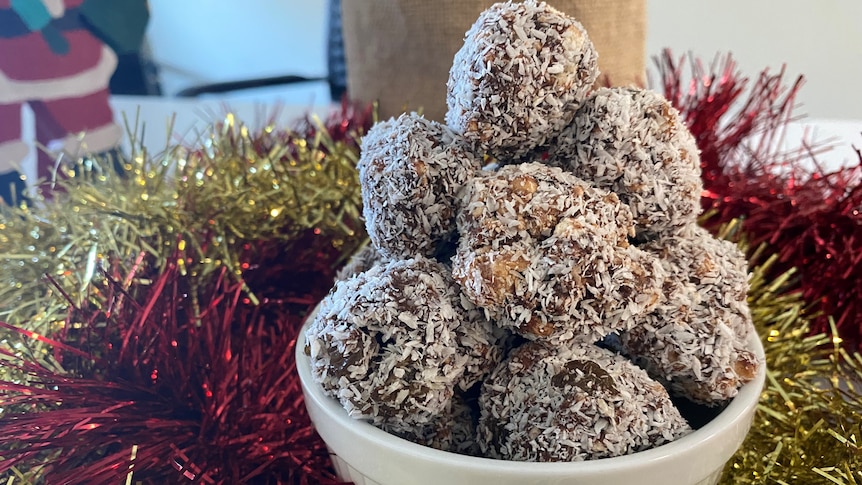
{"x": 808, "y": 424}
{"x": 233, "y": 187}
{"x": 240, "y": 186}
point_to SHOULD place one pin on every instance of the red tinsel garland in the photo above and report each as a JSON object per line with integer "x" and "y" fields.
{"x": 173, "y": 389}
{"x": 811, "y": 220}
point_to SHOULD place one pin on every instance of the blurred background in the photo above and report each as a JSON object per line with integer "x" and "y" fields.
{"x": 200, "y": 42}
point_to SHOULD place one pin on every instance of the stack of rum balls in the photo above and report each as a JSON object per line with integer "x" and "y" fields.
{"x": 546, "y": 306}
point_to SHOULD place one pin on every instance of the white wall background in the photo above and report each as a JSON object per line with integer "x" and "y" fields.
{"x": 203, "y": 41}
{"x": 820, "y": 39}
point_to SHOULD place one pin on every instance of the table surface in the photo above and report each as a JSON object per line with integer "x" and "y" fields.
{"x": 191, "y": 117}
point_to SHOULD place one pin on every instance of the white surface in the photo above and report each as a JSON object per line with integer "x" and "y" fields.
{"x": 203, "y": 41}
{"x": 370, "y": 456}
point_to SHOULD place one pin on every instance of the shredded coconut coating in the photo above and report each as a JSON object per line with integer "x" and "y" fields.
{"x": 452, "y": 430}
{"x": 518, "y": 78}
{"x": 695, "y": 341}
{"x": 549, "y": 403}
{"x": 410, "y": 169}
{"x": 362, "y": 260}
{"x": 633, "y": 142}
{"x": 392, "y": 343}
{"x": 547, "y": 255}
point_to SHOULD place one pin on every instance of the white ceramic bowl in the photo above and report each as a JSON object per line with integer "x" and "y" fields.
{"x": 365, "y": 455}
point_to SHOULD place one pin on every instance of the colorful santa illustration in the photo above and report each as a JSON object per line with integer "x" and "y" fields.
{"x": 52, "y": 62}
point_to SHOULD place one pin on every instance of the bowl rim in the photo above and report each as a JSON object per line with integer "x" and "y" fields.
{"x": 737, "y": 411}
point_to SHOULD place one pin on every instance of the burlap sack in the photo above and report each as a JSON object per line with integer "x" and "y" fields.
{"x": 399, "y": 51}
